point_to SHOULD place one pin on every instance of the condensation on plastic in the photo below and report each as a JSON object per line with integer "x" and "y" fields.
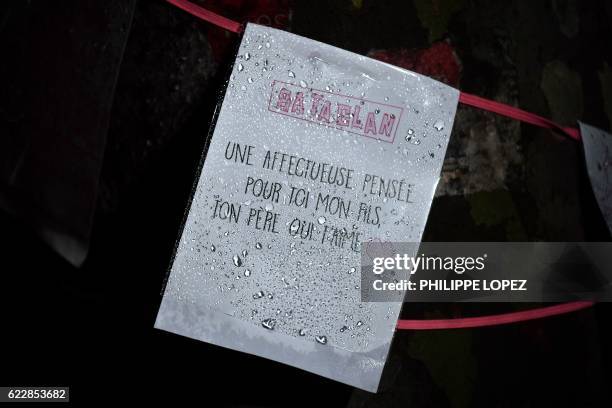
{"x": 287, "y": 299}
{"x": 597, "y": 146}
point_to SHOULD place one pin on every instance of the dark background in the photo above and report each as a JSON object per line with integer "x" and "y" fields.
{"x": 104, "y": 111}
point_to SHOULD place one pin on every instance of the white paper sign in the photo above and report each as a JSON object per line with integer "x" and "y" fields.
{"x": 315, "y": 150}
{"x": 598, "y": 155}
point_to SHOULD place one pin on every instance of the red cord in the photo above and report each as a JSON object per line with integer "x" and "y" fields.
{"x": 466, "y": 99}
{"x": 207, "y": 15}
{"x": 492, "y": 320}
{"x": 516, "y": 113}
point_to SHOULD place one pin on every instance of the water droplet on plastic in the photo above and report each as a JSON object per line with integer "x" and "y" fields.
{"x": 237, "y": 261}
{"x": 302, "y": 332}
{"x": 258, "y": 295}
{"x": 240, "y": 67}
{"x": 343, "y": 329}
{"x": 267, "y": 45}
{"x": 244, "y": 253}
{"x": 268, "y": 323}
{"x": 291, "y": 74}
{"x": 250, "y": 80}
{"x": 359, "y": 323}
{"x": 258, "y": 245}
{"x": 321, "y": 339}
{"x": 439, "y": 125}
{"x": 303, "y": 84}
{"x": 247, "y": 272}
{"x": 321, "y": 220}
{"x": 352, "y": 270}
{"x": 212, "y": 248}
{"x": 247, "y": 56}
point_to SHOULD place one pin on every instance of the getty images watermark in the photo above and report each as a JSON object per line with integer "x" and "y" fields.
{"x": 486, "y": 272}
{"x": 458, "y": 265}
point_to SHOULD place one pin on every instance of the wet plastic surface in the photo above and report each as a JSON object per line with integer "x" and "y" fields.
{"x": 299, "y": 303}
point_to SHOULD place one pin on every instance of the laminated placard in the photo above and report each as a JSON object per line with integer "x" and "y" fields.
{"x": 597, "y": 146}
{"x": 315, "y": 151}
